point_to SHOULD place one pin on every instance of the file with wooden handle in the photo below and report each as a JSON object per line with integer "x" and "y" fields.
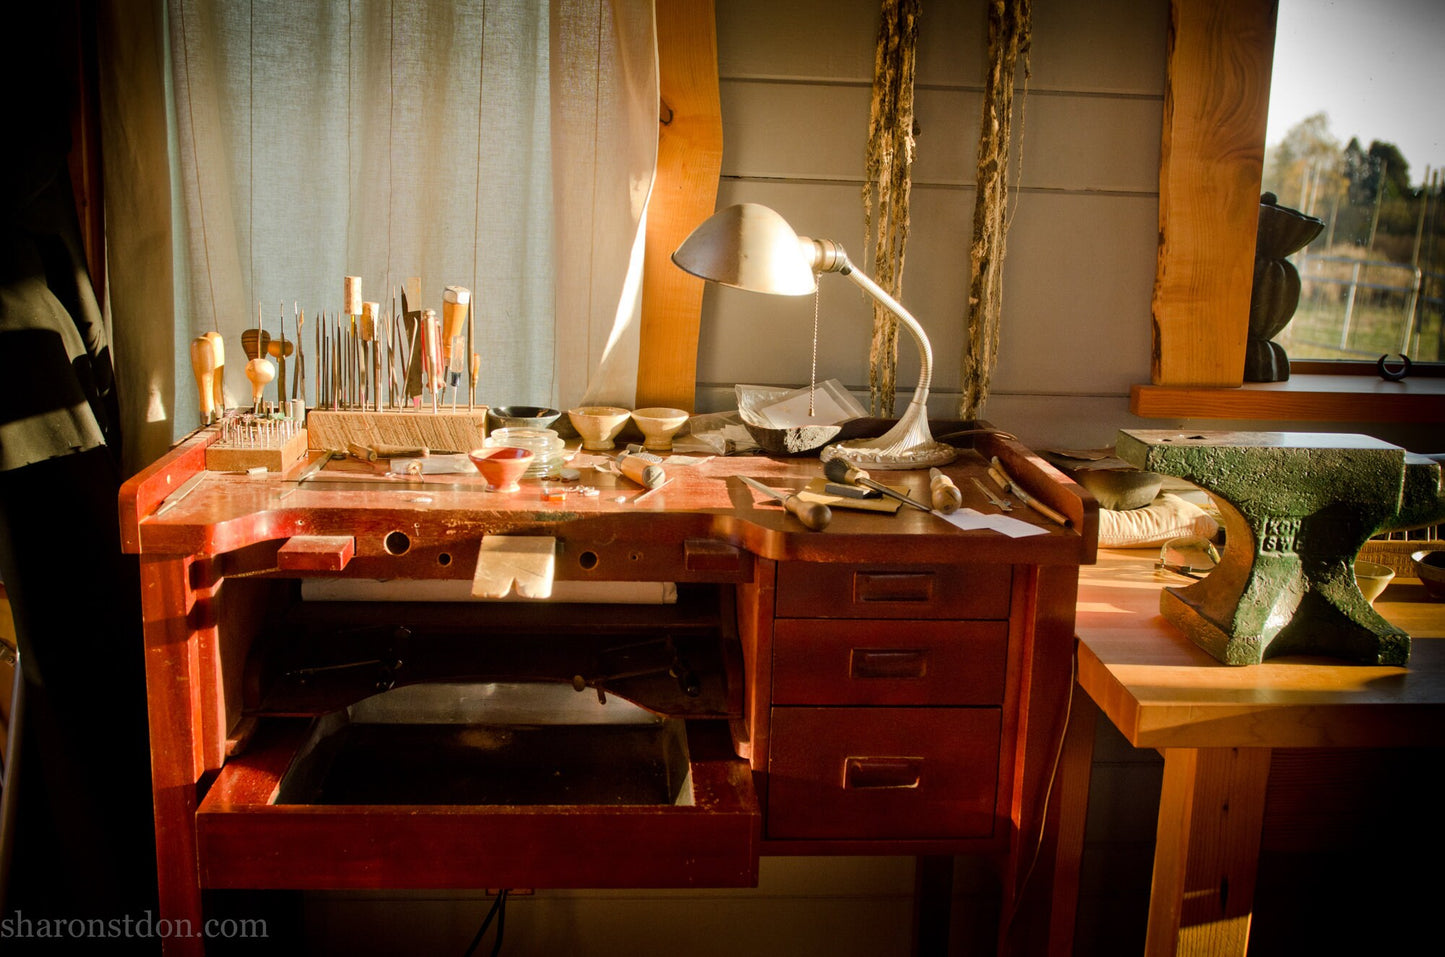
{"x": 813, "y": 515}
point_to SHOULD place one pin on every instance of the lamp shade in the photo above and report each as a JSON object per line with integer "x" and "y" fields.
{"x": 750, "y": 247}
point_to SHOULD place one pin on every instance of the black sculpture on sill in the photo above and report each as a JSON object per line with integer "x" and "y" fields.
{"x": 1275, "y": 295}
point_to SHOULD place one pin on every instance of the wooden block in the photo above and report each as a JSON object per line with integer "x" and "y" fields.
{"x": 273, "y": 458}
{"x": 444, "y": 430}
{"x": 528, "y": 561}
{"x": 316, "y": 553}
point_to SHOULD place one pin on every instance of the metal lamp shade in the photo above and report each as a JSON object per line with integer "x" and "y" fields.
{"x": 749, "y": 247}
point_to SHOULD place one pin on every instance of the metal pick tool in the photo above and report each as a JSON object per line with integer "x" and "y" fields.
{"x": 311, "y": 470}
{"x": 1003, "y": 504}
{"x": 813, "y": 515}
{"x": 838, "y": 470}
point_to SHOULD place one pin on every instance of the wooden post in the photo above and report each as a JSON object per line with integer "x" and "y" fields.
{"x": 689, "y": 162}
{"x": 1211, "y": 166}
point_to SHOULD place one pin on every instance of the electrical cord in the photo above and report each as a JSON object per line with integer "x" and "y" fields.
{"x": 1013, "y": 912}
{"x": 499, "y": 912}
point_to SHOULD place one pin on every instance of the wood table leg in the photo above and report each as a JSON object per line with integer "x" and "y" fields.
{"x": 172, "y": 689}
{"x": 1070, "y": 812}
{"x": 1211, "y": 812}
{"x": 932, "y": 904}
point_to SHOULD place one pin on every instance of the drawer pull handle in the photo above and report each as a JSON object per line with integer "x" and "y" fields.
{"x": 893, "y": 586}
{"x": 878, "y": 773}
{"x": 888, "y": 663}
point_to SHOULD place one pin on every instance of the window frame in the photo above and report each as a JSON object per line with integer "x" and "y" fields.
{"x": 1216, "y": 104}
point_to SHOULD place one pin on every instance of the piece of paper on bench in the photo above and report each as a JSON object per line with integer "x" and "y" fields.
{"x": 967, "y": 518}
{"x": 528, "y": 561}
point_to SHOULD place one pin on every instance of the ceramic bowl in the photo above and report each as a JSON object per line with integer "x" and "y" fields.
{"x": 1430, "y": 569}
{"x": 522, "y": 417}
{"x": 502, "y": 467}
{"x": 598, "y": 425}
{"x": 1373, "y": 577}
{"x": 658, "y": 426}
{"x": 1121, "y": 490}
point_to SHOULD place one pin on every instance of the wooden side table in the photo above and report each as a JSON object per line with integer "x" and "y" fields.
{"x": 1216, "y": 727}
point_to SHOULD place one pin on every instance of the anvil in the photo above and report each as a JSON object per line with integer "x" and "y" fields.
{"x": 1297, "y": 507}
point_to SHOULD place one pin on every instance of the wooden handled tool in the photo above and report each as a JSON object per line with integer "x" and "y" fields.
{"x": 260, "y": 372}
{"x": 369, "y": 312}
{"x": 255, "y": 342}
{"x": 218, "y": 381}
{"x": 351, "y": 295}
{"x": 946, "y": 496}
{"x": 455, "y": 300}
{"x": 203, "y": 364}
{"x": 838, "y": 470}
{"x": 813, "y": 515}
{"x": 1005, "y": 481}
{"x": 280, "y": 349}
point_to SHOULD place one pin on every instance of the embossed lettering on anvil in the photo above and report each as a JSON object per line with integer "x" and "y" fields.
{"x": 1280, "y": 535}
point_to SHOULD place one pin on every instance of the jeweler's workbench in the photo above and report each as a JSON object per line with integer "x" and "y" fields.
{"x": 895, "y": 683}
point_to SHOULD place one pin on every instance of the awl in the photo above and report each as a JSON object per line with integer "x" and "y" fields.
{"x": 813, "y": 515}
{"x": 838, "y": 470}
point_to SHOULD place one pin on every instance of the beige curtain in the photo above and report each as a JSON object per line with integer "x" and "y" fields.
{"x": 258, "y": 153}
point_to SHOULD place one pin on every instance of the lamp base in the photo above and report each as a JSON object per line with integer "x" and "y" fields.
{"x": 908, "y": 445}
{"x": 865, "y": 454}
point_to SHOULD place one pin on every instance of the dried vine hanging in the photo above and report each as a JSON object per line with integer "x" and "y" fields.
{"x": 888, "y": 172}
{"x": 1009, "y": 36}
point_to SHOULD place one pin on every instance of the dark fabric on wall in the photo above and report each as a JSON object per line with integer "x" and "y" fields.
{"x": 83, "y": 845}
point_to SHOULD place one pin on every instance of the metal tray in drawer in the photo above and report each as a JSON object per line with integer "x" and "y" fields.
{"x": 808, "y": 590}
{"x": 491, "y": 743}
{"x": 486, "y": 784}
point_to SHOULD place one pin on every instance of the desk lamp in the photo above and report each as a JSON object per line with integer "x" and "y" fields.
{"x": 751, "y": 247}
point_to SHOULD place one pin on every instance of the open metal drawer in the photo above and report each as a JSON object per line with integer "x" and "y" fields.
{"x": 483, "y": 785}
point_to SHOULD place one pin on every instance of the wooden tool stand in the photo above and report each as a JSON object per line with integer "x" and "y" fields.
{"x": 893, "y": 684}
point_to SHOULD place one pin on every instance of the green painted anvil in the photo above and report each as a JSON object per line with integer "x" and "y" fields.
{"x": 1297, "y": 507}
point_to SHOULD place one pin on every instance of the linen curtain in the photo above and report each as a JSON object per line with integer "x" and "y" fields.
{"x": 259, "y": 152}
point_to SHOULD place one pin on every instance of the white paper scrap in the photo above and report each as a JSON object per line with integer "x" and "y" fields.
{"x": 969, "y": 519}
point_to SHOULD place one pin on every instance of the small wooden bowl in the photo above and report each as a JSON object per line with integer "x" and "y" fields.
{"x": 658, "y": 426}
{"x": 502, "y": 467}
{"x": 1372, "y": 578}
{"x": 598, "y": 425}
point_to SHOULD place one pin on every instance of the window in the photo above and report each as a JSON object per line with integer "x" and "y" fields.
{"x": 1216, "y": 102}
{"x": 1356, "y": 139}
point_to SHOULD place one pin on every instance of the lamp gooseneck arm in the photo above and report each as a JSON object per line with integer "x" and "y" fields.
{"x": 910, "y": 437}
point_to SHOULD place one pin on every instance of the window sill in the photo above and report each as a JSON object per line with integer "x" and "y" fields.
{"x": 1305, "y": 398}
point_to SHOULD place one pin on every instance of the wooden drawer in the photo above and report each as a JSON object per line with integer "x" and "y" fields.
{"x": 809, "y": 590}
{"x": 883, "y": 773}
{"x": 247, "y": 839}
{"x": 889, "y": 662}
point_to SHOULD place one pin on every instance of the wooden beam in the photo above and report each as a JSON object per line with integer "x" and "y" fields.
{"x": 1303, "y": 398}
{"x": 684, "y": 193}
{"x": 1220, "y": 54}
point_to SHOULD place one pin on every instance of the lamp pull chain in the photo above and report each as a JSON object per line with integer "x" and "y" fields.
{"x": 813, "y": 378}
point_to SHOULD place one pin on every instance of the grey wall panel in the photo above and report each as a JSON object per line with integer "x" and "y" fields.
{"x": 820, "y": 39}
{"x": 1078, "y": 279}
{"x": 1101, "y": 46}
